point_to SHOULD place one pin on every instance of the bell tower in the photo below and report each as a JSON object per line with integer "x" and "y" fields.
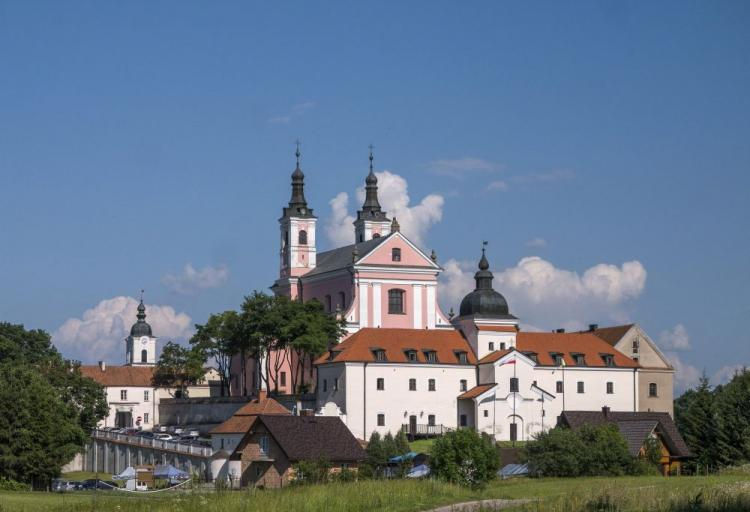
{"x": 371, "y": 219}
{"x": 297, "y": 236}
{"x": 140, "y": 346}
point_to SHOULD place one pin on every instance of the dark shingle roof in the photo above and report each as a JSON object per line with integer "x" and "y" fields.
{"x": 336, "y": 259}
{"x": 313, "y": 437}
{"x": 612, "y": 334}
{"x": 576, "y": 419}
{"x": 636, "y": 432}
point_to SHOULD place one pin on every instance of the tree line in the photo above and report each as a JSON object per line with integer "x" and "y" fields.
{"x": 47, "y": 408}
{"x": 273, "y": 329}
{"x": 715, "y": 423}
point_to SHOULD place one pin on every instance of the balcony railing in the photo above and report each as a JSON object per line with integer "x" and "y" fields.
{"x": 159, "y": 444}
{"x": 424, "y": 430}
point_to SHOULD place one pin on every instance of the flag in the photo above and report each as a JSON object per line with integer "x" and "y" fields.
{"x": 512, "y": 361}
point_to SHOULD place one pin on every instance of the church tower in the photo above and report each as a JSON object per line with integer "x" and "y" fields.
{"x": 371, "y": 219}
{"x": 297, "y": 241}
{"x": 140, "y": 346}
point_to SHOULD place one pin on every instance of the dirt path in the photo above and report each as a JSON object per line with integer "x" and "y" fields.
{"x": 472, "y": 506}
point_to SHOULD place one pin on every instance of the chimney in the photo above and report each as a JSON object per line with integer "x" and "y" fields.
{"x": 593, "y": 327}
{"x": 559, "y": 331}
{"x": 103, "y": 366}
{"x": 605, "y": 411}
{"x": 262, "y": 394}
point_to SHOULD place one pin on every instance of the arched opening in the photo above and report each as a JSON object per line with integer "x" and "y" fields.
{"x": 376, "y": 235}
{"x": 342, "y": 300}
{"x": 144, "y": 356}
{"x": 396, "y": 301}
{"x": 303, "y": 237}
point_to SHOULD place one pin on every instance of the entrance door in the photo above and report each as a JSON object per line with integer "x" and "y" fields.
{"x": 123, "y": 419}
{"x": 513, "y": 432}
{"x": 413, "y": 425}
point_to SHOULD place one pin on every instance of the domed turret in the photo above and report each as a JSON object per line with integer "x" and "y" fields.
{"x": 141, "y": 328}
{"x": 484, "y": 301}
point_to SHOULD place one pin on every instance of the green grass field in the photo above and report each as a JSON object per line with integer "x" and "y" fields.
{"x": 553, "y": 495}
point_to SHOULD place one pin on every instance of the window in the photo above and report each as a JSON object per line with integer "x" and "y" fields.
{"x": 532, "y": 356}
{"x": 636, "y": 345}
{"x": 380, "y": 384}
{"x": 145, "y": 396}
{"x": 283, "y": 379}
{"x": 395, "y": 254}
{"x": 557, "y": 358}
{"x": 610, "y": 388}
{"x": 609, "y": 359}
{"x": 491, "y": 346}
{"x": 335, "y": 383}
{"x": 411, "y": 356}
{"x": 462, "y": 420}
{"x": 559, "y": 387}
{"x": 257, "y": 470}
{"x": 486, "y": 413}
{"x": 431, "y": 420}
{"x": 123, "y": 394}
{"x": 263, "y": 445}
{"x": 379, "y": 354}
{"x": 513, "y": 432}
{"x": 412, "y": 384}
{"x": 580, "y": 386}
{"x": 652, "y": 390}
{"x": 431, "y": 385}
{"x": 462, "y": 385}
{"x": 381, "y": 420}
{"x": 145, "y": 417}
{"x": 375, "y": 235}
{"x": 144, "y": 356}
{"x": 396, "y": 302}
{"x": 502, "y": 346}
{"x": 222, "y": 443}
{"x": 431, "y": 356}
{"x": 513, "y": 385}
{"x": 303, "y": 237}
{"x": 342, "y": 300}
{"x": 325, "y": 385}
{"x": 461, "y": 357}
{"x": 580, "y": 359}
{"x": 328, "y": 304}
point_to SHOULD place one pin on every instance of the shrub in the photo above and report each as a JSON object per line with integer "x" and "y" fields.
{"x": 312, "y": 471}
{"x": 555, "y": 452}
{"x": 464, "y": 457}
{"x": 6, "y": 484}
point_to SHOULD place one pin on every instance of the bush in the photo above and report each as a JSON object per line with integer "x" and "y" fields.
{"x": 6, "y": 484}
{"x": 312, "y": 471}
{"x": 464, "y": 457}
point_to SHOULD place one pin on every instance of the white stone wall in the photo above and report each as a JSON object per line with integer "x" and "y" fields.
{"x": 135, "y": 403}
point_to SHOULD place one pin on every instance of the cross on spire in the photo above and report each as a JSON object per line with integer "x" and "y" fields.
{"x": 297, "y": 153}
{"x": 371, "y": 157}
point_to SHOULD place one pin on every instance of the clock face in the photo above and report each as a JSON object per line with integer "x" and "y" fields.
{"x": 144, "y": 340}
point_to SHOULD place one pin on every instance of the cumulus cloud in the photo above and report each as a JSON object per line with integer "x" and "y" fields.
{"x": 415, "y": 220}
{"x": 675, "y": 338}
{"x": 295, "y": 111}
{"x": 100, "y": 332}
{"x": 548, "y": 297}
{"x": 192, "y": 280}
{"x": 537, "y": 243}
{"x": 545, "y": 177}
{"x": 726, "y": 373}
{"x": 460, "y": 166}
{"x": 686, "y": 376}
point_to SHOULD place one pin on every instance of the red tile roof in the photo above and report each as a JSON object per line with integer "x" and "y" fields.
{"x": 139, "y": 376}
{"x": 359, "y": 346}
{"x": 477, "y": 390}
{"x": 544, "y": 343}
{"x": 245, "y": 416}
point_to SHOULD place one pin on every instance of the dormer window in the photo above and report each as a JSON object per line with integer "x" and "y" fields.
{"x": 332, "y": 354}
{"x": 557, "y": 358}
{"x": 431, "y": 356}
{"x": 609, "y": 359}
{"x": 579, "y": 359}
{"x": 532, "y": 356}
{"x": 462, "y": 357}
{"x": 395, "y": 254}
{"x": 411, "y": 355}
{"x": 379, "y": 354}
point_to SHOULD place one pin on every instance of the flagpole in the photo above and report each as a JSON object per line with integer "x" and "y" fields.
{"x": 514, "y": 400}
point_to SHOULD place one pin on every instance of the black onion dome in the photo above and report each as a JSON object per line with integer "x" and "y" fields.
{"x": 371, "y": 179}
{"x": 141, "y": 328}
{"x": 484, "y": 301}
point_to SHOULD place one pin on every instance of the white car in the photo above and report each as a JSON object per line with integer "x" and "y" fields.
{"x": 163, "y": 437}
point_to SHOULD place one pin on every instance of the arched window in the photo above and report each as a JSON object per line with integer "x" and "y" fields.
{"x": 342, "y": 300}
{"x": 144, "y": 356}
{"x": 303, "y": 237}
{"x": 395, "y": 254}
{"x": 376, "y": 235}
{"x": 396, "y": 301}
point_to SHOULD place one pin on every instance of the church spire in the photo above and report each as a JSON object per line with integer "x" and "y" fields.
{"x": 371, "y": 207}
{"x": 297, "y": 203}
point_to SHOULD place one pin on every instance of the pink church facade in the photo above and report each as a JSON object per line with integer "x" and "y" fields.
{"x": 380, "y": 280}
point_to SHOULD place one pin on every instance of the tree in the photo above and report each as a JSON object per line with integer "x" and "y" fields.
{"x": 261, "y": 332}
{"x": 402, "y": 443}
{"x": 605, "y": 451}
{"x": 555, "y": 452}
{"x": 179, "y": 367}
{"x": 215, "y": 340}
{"x": 465, "y": 457}
{"x": 38, "y": 432}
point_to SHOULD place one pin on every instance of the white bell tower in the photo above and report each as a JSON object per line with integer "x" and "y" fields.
{"x": 140, "y": 346}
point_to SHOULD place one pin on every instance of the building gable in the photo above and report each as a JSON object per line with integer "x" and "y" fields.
{"x": 398, "y": 246}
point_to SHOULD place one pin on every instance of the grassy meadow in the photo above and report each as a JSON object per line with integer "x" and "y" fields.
{"x": 707, "y": 493}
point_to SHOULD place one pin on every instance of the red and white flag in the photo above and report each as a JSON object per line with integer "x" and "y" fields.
{"x": 512, "y": 361}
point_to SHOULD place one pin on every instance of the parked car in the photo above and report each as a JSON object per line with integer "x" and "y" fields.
{"x": 131, "y": 431}
{"x": 163, "y": 437}
{"x": 62, "y": 485}
{"x": 145, "y": 434}
{"x": 94, "y": 484}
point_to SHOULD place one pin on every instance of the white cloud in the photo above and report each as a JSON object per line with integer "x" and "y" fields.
{"x": 545, "y": 177}
{"x": 415, "y": 221}
{"x": 295, "y": 111}
{"x": 100, "y": 332}
{"x": 686, "y": 376}
{"x": 726, "y": 373}
{"x": 460, "y": 166}
{"x": 537, "y": 243}
{"x": 675, "y": 338}
{"x": 498, "y": 185}
{"x": 192, "y": 280}
{"x": 548, "y": 297}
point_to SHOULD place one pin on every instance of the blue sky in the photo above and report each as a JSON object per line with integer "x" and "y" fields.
{"x": 138, "y": 138}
